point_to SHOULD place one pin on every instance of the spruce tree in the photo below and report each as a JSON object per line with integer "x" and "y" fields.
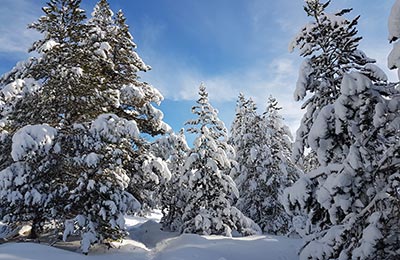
{"x": 354, "y": 209}
{"x": 74, "y": 141}
{"x": 264, "y": 168}
{"x": 242, "y": 110}
{"x": 330, "y": 45}
{"x": 241, "y": 135}
{"x": 206, "y": 173}
{"x": 32, "y": 187}
{"x": 281, "y": 172}
{"x": 173, "y": 148}
{"x": 351, "y": 203}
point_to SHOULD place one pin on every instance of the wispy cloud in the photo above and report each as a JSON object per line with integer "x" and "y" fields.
{"x": 15, "y": 38}
{"x": 180, "y": 81}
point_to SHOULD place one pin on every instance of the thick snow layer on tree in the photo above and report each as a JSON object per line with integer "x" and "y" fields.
{"x": 302, "y": 81}
{"x": 376, "y": 72}
{"x": 102, "y": 49}
{"x": 32, "y": 139}
{"x": 92, "y": 159}
{"x": 296, "y": 192}
{"x": 354, "y": 83}
{"x": 48, "y": 45}
{"x": 394, "y": 22}
{"x": 319, "y": 249}
{"x": 20, "y": 87}
{"x": 370, "y": 236}
{"x": 319, "y": 131}
{"x": 394, "y": 57}
{"x": 156, "y": 165}
{"x": 113, "y": 128}
{"x": 146, "y": 241}
{"x": 132, "y": 92}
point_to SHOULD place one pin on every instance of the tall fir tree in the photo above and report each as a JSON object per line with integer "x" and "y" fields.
{"x": 264, "y": 167}
{"x": 31, "y": 185}
{"x": 206, "y": 173}
{"x": 73, "y": 140}
{"x": 242, "y": 104}
{"x": 351, "y": 202}
{"x": 330, "y": 45}
{"x": 173, "y": 148}
{"x": 280, "y": 169}
{"x": 240, "y": 135}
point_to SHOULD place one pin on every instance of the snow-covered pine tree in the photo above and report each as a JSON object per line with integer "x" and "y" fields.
{"x": 387, "y": 121}
{"x": 240, "y": 137}
{"x": 330, "y": 45}
{"x": 353, "y": 204}
{"x": 31, "y": 187}
{"x": 73, "y": 142}
{"x": 208, "y": 208}
{"x": 252, "y": 160}
{"x": 236, "y": 127}
{"x": 173, "y": 149}
{"x": 354, "y": 209}
{"x": 117, "y": 64}
{"x": 281, "y": 172}
{"x": 265, "y": 168}
{"x": 246, "y": 138}
{"x": 279, "y": 141}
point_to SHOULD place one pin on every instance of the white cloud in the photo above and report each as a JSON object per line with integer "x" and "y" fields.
{"x": 15, "y": 38}
{"x": 179, "y": 81}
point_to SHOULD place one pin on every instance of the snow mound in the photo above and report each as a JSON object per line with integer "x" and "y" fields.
{"x": 189, "y": 246}
{"x": 150, "y": 234}
{"x": 147, "y": 241}
{"x": 30, "y": 251}
{"x": 32, "y": 139}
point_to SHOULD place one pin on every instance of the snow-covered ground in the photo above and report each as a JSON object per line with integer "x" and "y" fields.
{"x": 147, "y": 241}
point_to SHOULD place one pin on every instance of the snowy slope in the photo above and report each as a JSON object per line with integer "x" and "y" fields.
{"x": 147, "y": 241}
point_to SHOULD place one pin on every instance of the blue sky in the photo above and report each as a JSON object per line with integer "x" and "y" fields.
{"x": 231, "y": 45}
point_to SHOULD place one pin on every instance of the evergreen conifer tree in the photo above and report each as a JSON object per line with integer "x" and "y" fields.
{"x": 241, "y": 135}
{"x": 206, "y": 172}
{"x": 72, "y": 129}
{"x": 31, "y": 185}
{"x": 330, "y": 45}
{"x": 265, "y": 168}
{"x": 280, "y": 169}
{"x": 173, "y": 149}
{"x": 352, "y": 202}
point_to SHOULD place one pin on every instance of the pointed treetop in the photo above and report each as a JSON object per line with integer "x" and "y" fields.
{"x": 315, "y": 7}
{"x": 57, "y": 12}
{"x": 203, "y": 94}
{"x": 207, "y": 117}
{"x": 272, "y": 105}
{"x": 128, "y": 46}
{"x": 102, "y": 13}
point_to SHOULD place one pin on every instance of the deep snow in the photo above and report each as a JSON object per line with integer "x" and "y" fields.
{"x": 146, "y": 241}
